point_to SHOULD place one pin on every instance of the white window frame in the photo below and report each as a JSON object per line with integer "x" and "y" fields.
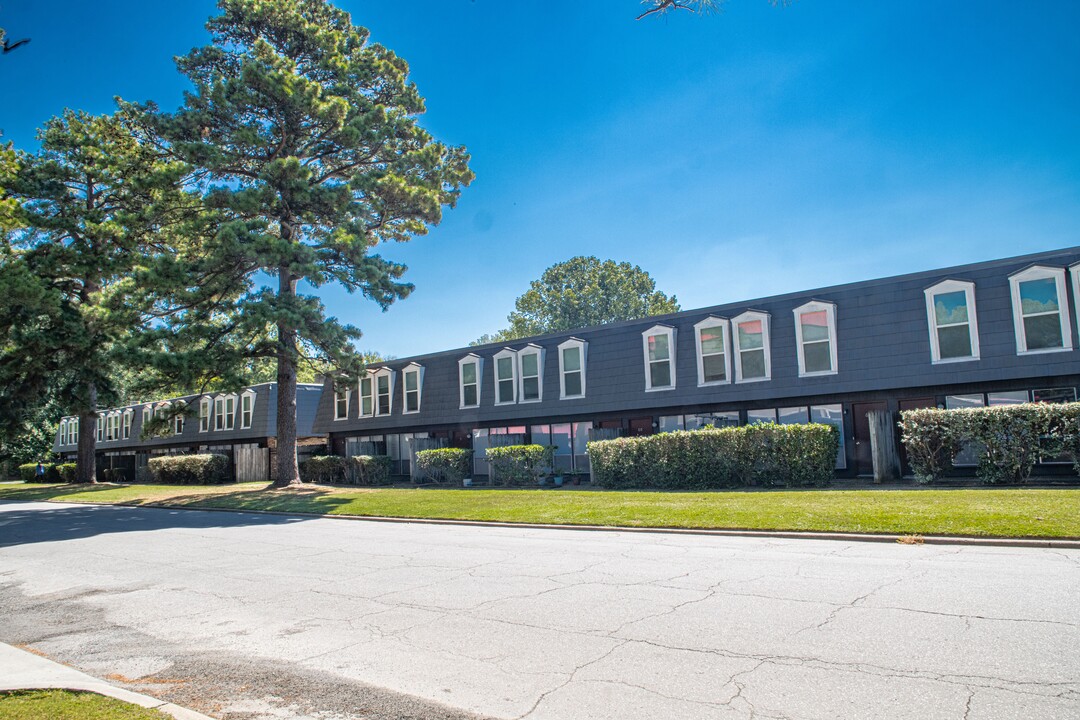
{"x": 1074, "y": 273}
{"x": 249, "y": 396}
{"x": 370, "y": 395}
{"x": 951, "y": 286}
{"x": 512, "y": 354}
{"x": 230, "y": 413}
{"x": 470, "y": 359}
{"x": 389, "y": 375}
{"x": 713, "y": 322}
{"x": 206, "y": 414}
{"x": 411, "y": 369}
{"x": 582, "y": 347}
{"x": 766, "y": 344}
{"x": 101, "y": 427}
{"x": 128, "y": 420}
{"x": 73, "y": 430}
{"x": 219, "y": 413}
{"x": 62, "y": 440}
{"x": 341, "y": 392}
{"x": 530, "y": 349}
{"x": 655, "y": 331}
{"x": 830, "y": 320}
{"x": 1040, "y": 272}
{"x": 147, "y": 415}
{"x": 178, "y": 419}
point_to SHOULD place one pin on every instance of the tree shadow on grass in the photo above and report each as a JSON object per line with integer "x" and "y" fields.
{"x": 22, "y": 524}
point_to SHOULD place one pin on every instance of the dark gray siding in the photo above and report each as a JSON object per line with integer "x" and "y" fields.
{"x": 263, "y": 420}
{"x": 882, "y": 340}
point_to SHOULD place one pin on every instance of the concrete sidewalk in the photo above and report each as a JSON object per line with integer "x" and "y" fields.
{"x": 22, "y": 670}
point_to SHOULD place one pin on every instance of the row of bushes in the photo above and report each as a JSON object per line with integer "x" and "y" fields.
{"x": 202, "y": 469}
{"x": 1008, "y": 440}
{"x": 765, "y": 454}
{"x": 336, "y": 470}
{"x": 54, "y": 472}
{"x": 445, "y": 465}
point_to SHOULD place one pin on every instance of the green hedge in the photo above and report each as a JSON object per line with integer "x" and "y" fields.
{"x": 67, "y": 472}
{"x": 765, "y": 454}
{"x": 28, "y": 473}
{"x": 520, "y": 464}
{"x": 450, "y": 465}
{"x": 205, "y": 469}
{"x": 325, "y": 469}
{"x": 370, "y": 469}
{"x": 1009, "y": 439}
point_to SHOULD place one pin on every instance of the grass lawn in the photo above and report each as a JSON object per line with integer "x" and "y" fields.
{"x": 67, "y": 705}
{"x": 1012, "y": 512}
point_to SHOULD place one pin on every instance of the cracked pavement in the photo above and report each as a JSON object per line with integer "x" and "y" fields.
{"x": 256, "y": 616}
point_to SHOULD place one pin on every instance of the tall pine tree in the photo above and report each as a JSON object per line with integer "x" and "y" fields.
{"x": 308, "y": 136}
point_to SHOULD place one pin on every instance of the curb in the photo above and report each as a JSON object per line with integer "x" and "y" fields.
{"x": 963, "y": 540}
{"x": 69, "y": 678}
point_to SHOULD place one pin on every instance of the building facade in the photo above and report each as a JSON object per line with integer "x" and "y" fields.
{"x": 238, "y": 425}
{"x": 989, "y": 333}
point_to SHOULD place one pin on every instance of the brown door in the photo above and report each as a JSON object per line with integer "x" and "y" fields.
{"x": 864, "y": 461}
{"x": 641, "y": 426}
{"x": 911, "y": 404}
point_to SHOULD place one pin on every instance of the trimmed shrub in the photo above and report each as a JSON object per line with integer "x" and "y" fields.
{"x": 205, "y": 469}
{"x": 932, "y": 439}
{"x": 520, "y": 464}
{"x": 325, "y": 469}
{"x": 450, "y": 465}
{"x": 67, "y": 472}
{"x": 370, "y": 469}
{"x": 767, "y": 454}
{"x": 28, "y": 473}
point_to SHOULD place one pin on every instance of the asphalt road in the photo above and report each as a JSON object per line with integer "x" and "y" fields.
{"x": 249, "y": 616}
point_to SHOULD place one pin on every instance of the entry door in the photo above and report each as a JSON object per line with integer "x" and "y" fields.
{"x": 641, "y": 426}
{"x": 912, "y": 404}
{"x": 864, "y": 460}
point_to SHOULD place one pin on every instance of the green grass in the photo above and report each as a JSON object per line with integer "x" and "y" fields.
{"x": 67, "y": 705}
{"x": 1012, "y": 512}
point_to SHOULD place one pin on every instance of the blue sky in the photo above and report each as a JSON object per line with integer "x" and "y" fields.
{"x": 752, "y": 152}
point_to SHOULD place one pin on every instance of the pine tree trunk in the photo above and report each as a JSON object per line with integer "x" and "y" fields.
{"x": 86, "y": 458}
{"x": 288, "y": 472}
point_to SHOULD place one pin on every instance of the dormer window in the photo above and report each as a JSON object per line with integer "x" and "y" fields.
{"x": 412, "y": 381}
{"x": 247, "y": 409}
{"x": 341, "y": 402}
{"x": 204, "y": 415}
{"x": 750, "y": 333}
{"x": 129, "y": 417}
{"x": 711, "y": 338}
{"x": 1040, "y": 311}
{"x": 505, "y": 377}
{"x": 367, "y": 395}
{"x": 531, "y": 373}
{"x": 101, "y": 428}
{"x": 219, "y": 413}
{"x": 470, "y": 370}
{"x": 658, "y": 344}
{"x": 815, "y": 338}
{"x": 178, "y": 418}
{"x": 572, "y": 368}
{"x": 384, "y": 391}
{"x": 951, "y": 317}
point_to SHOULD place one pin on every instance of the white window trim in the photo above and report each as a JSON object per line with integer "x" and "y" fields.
{"x": 247, "y": 394}
{"x": 419, "y": 370}
{"x": 582, "y": 347}
{"x": 128, "y": 420}
{"x": 949, "y": 286}
{"x": 1074, "y": 272}
{"x": 766, "y": 344}
{"x": 713, "y": 322}
{"x": 530, "y": 349}
{"x": 206, "y": 411}
{"x": 389, "y": 375}
{"x": 645, "y": 335}
{"x": 101, "y": 427}
{"x": 512, "y": 354}
{"x": 830, "y": 320}
{"x": 230, "y": 417}
{"x": 214, "y": 426}
{"x": 338, "y": 390}
{"x": 471, "y": 358}
{"x": 370, "y": 377}
{"x": 1039, "y": 272}
{"x": 179, "y": 419}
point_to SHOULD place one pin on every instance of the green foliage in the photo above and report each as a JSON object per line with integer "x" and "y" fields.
{"x": 582, "y": 292}
{"x": 203, "y": 469}
{"x": 311, "y": 154}
{"x": 520, "y": 464}
{"x": 370, "y": 469}
{"x": 450, "y": 465}
{"x": 325, "y": 469}
{"x": 28, "y": 473}
{"x": 766, "y": 454}
{"x": 1010, "y": 439}
{"x": 67, "y": 472}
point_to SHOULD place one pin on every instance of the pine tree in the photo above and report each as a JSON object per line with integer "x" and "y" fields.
{"x": 308, "y": 136}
